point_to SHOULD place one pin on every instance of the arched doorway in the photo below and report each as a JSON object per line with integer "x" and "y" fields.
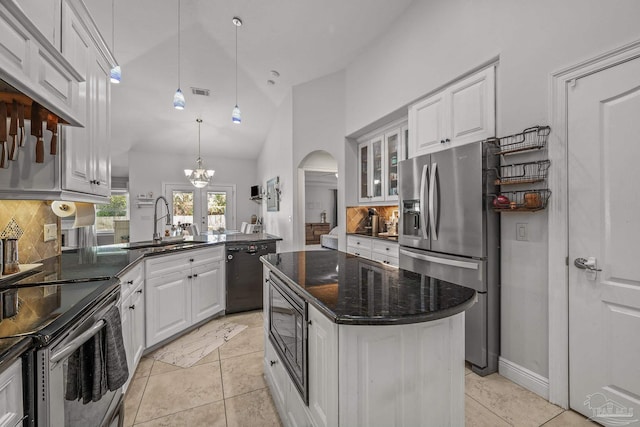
{"x": 317, "y": 193}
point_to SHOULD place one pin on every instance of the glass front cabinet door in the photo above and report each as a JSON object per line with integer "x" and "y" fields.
{"x": 392, "y": 145}
{"x": 371, "y": 170}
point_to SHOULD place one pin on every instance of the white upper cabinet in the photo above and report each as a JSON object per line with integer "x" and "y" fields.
{"x": 52, "y": 52}
{"x": 378, "y": 157}
{"x": 462, "y": 113}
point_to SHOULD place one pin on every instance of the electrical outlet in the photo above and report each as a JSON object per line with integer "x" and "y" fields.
{"x": 50, "y": 232}
{"x": 522, "y": 232}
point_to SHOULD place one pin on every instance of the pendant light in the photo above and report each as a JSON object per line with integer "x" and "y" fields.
{"x": 116, "y": 72}
{"x": 199, "y": 177}
{"x": 235, "y": 115}
{"x": 178, "y": 98}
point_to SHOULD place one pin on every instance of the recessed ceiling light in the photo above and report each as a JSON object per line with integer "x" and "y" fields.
{"x": 274, "y": 73}
{"x": 270, "y": 82}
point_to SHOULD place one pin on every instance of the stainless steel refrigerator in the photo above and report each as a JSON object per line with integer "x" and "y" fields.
{"x": 449, "y": 231}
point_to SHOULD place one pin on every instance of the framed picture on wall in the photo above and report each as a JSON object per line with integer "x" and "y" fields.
{"x": 273, "y": 195}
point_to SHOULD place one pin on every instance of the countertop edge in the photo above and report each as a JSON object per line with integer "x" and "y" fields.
{"x": 14, "y": 351}
{"x": 368, "y": 321}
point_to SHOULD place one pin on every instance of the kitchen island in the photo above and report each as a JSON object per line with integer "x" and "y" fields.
{"x": 384, "y": 346}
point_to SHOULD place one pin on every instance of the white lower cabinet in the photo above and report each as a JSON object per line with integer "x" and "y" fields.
{"x": 182, "y": 290}
{"x": 132, "y": 315}
{"x": 381, "y": 250}
{"x": 323, "y": 369}
{"x": 11, "y": 409}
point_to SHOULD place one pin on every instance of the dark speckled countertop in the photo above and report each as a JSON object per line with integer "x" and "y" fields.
{"x": 98, "y": 264}
{"x": 352, "y": 290}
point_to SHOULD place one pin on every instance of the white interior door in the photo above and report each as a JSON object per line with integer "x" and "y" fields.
{"x": 604, "y": 229}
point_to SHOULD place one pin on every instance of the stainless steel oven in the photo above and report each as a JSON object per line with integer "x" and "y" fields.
{"x": 288, "y": 332}
{"x": 52, "y": 363}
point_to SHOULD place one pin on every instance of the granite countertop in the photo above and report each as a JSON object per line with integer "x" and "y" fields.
{"x": 352, "y": 290}
{"x": 101, "y": 263}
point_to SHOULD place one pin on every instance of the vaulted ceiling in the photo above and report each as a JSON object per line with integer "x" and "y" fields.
{"x": 301, "y": 39}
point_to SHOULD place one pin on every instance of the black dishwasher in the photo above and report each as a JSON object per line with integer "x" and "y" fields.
{"x": 244, "y": 275}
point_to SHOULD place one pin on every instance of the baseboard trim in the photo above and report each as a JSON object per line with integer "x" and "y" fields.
{"x": 524, "y": 377}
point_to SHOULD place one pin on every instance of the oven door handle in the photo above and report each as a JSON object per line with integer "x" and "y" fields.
{"x": 68, "y": 349}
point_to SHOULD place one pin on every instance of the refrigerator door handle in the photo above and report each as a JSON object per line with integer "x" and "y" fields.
{"x": 424, "y": 224}
{"x": 432, "y": 201}
{"x": 438, "y": 260}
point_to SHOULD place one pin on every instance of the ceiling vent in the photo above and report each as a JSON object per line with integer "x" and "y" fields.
{"x": 200, "y": 91}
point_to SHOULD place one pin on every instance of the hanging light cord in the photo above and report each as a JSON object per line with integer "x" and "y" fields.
{"x": 178, "y": 44}
{"x": 199, "y": 122}
{"x": 113, "y": 26}
{"x": 236, "y": 65}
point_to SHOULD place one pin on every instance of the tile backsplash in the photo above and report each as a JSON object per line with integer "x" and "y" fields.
{"x": 29, "y": 218}
{"x": 357, "y": 216}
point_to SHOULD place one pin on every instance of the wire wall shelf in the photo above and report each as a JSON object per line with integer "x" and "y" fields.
{"x": 522, "y": 173}
{"x": 533, "y": 138}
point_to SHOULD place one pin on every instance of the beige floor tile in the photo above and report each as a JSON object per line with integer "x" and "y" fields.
{"x": 476, "y": 415}
{"x": 252, "y": 318}
{"x": 144, "y": 367}
{"x": 509, "y": 401}
{"x": 163, "y": 368}
{"x": 210, "y": 415}
{"x": 214, "y": 356}
{"x": 243, "y": 374}
{"x": 132, "y": 399}
{"x": 248, "y": 341}
{"x": 569, "y": 419}
{"x": 252, "y": 409}
{"x": 180, "y": 390}
{"x": 467, "y": 368}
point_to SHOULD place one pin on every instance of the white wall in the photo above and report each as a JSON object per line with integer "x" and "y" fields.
{"x": 275, "y": 159}
{"x": 319, "y": 198}
{"x": 319, "y": 124}
{"x": 436, "y": 41}
{"x": 148, "y": 171}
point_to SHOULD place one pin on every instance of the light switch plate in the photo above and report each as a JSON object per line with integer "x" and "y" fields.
{"x": 522, "y": 232}
{"x": 50, "y": 232}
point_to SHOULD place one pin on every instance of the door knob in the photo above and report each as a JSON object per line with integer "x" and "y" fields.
{"x": 586, "y": 264}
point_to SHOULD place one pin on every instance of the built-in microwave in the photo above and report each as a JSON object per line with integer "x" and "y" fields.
{"x": 288, "y": 332}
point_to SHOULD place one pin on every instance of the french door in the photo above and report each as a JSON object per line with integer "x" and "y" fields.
{"x": 211, "y": 208}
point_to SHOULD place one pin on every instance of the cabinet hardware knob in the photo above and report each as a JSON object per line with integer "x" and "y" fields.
{"x": 132, "y": 307}
{"x": 97, "y": 182}
{"x": 387, "y": 248}
{"x": 447, "y": 140}
{"x": 190, "y": 259}
{"x": 273, "y": 362}
{"x": 129, "y": 282}
{"x": 195, "y": 275}
{"x": 139, "y": 291}
{"x": 442, "y": 141}
{"x": 309, "y": 322}
{"x": 189, "y": 277}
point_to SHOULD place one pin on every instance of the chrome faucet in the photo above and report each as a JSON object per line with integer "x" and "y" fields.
{"x": 156, "y": 235}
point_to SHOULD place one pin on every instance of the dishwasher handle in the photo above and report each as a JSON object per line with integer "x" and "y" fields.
{"x": 68, "y": 349}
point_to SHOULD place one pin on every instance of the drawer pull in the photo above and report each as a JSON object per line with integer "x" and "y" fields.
{"x": 189, "y": 277}
{"x": 191, "y": 259}
{"x": 132, "y": 307}
{"x": 273, "y": 362}
{"x": 195, "y": 275}
{"x": 139, "y": 291}
{"x": 129, "y": 282}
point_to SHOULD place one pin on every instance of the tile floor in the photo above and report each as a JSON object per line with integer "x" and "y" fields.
{"x": 227, "y": 389}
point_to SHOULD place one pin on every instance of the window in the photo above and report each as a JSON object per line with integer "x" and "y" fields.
{"x": 107, "y": 215}
{"x": 210, "y": 208}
